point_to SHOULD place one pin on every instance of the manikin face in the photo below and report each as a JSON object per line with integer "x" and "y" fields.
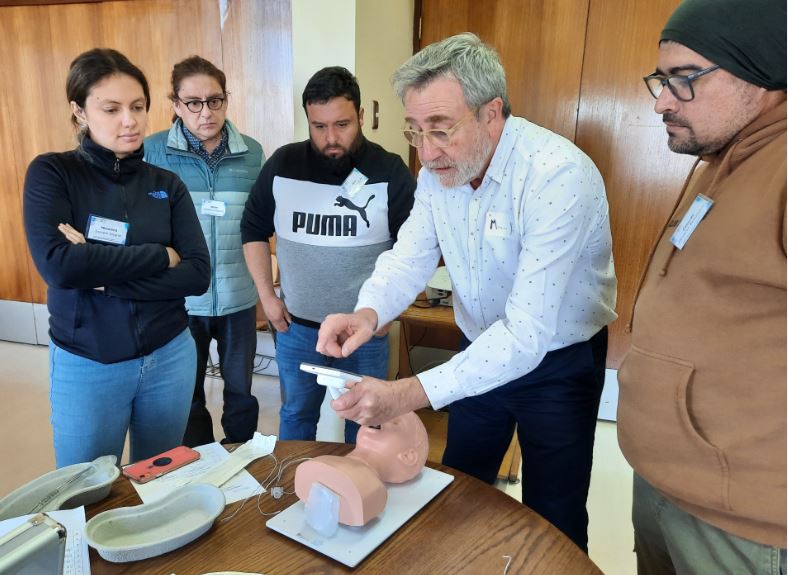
{"x": 334, "y": 126}
{"x": 115, "y": 114}
{"x": 399, "y": 447}
{"x": 441, "y": 105}
{"x": 205, "y": 124}
{"x": 722, "y": 107}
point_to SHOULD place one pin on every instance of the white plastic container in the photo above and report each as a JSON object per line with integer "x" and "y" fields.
{"x": 144, "y": 531}
{"x": 65, "y": 488}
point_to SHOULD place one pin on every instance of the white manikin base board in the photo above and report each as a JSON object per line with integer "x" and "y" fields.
{"x": 350, "y": 545}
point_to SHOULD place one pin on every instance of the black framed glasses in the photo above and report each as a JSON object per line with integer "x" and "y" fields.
{"x": 438, "y": 137}
{"x": 680, "y": 86}
{"x": 195, "y": 106}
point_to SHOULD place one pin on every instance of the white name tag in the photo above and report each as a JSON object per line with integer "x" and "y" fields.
{"x": 498, "y": 224}
{"x": 213, "y": 208}
{"x": 699, "y": 208}
{"x": 107, "y": 230}
{"x": 353, "y": 183}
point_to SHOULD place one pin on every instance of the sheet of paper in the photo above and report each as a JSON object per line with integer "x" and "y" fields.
{"x": 241, "y": 486}
{"x": 76, "y": 560}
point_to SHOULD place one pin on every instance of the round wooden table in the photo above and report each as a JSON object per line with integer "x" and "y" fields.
{"x": 468, "y": 528}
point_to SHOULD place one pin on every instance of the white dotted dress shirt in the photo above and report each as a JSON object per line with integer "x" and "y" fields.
{"x": 528, "y": 253}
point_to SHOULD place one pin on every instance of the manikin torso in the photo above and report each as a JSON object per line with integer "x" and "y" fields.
{"x": 395, "y": 453}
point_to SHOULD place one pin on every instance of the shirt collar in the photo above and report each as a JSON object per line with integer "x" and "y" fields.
{"x": 504, "y": 149}
{"x": 197, "y": 146}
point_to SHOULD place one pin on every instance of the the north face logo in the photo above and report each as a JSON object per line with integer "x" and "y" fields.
{"x": 160, "y": 195}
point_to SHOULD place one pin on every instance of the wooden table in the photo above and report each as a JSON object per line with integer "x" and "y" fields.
{"x": 467, "y": 528}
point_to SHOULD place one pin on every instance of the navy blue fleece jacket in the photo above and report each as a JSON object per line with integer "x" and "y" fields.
{"x": 141, "y": 306}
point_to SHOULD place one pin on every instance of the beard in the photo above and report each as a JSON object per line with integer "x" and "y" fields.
{"x": 688, "y": 141}
{"x": 341, "y": 163}
{"x": 464, "y": 170}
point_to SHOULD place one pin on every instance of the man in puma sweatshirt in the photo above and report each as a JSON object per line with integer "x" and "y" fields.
{"x": 336, "y": 202}
{"x": 702, "y": 410}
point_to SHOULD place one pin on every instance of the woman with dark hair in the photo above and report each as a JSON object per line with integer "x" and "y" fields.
{"x": 219, "y": 166}
{"x": 119, "y": 245}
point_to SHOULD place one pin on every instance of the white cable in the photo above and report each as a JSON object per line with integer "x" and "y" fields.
{"x": 273, "y": 478}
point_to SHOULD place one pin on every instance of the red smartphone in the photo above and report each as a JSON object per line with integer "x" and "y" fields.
{"x": 158, "y": 465}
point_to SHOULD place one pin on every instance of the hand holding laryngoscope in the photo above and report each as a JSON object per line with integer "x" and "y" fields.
{"x": 333, "y": 379}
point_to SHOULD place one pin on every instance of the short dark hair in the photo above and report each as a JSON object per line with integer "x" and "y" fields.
{"x": 90, "y": 67}
{"x": 194, "y": 66}
{"x": 332, "y": 82}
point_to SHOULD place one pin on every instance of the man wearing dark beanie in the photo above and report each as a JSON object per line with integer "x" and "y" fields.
{"x": 702, "y": 407}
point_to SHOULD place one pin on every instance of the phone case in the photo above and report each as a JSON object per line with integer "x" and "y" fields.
{"x": 158, "y": 465}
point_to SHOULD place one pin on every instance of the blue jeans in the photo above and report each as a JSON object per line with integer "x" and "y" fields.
{"x": 302, "y": 396}
{"x": 555, "y": 408}
{"x": 94, "y": 404}
{"x": 236, "y": 342}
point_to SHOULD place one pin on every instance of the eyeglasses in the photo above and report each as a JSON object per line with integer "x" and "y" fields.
{"x": 195, "y": 106}
{"x": 680, "y": 86}
{"x": 437, "y": 137}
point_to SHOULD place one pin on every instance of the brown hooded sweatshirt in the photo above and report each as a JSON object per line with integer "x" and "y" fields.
{"x": 702, "y": 407}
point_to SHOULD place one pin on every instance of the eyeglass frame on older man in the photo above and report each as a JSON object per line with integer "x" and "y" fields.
{"x": 411, "y": 135}
{"x": 202, "y": 103}
{"x": 669, "y": 79}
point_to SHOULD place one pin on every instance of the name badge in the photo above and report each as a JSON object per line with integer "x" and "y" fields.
{"x": 107, "y": 230}
{"x": 213, "y": 208}
{"x": 498, "y": 225}
{"x": 353, "y": 183}
{"x": 698, "y": 209}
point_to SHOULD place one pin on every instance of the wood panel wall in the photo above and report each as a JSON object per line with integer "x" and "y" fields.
{"x": 618, "y": 128}
{"x": 544, "y": 89}
{"x": 15, "y": 279}
{"x": 254, "y": 49}
{"x": 575, "y": 67}
{"x": 257, "y": 53}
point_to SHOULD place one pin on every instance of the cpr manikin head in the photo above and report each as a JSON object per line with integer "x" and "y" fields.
{"x": 397, "y": 451}
{"x": 394, "y": 453}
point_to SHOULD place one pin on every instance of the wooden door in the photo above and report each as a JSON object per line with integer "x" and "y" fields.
{"x": 618, "y": 128}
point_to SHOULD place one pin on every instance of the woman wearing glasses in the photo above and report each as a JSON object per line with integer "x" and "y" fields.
{"x": 119, "y": 245}
{"x": 219, "y": 165}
